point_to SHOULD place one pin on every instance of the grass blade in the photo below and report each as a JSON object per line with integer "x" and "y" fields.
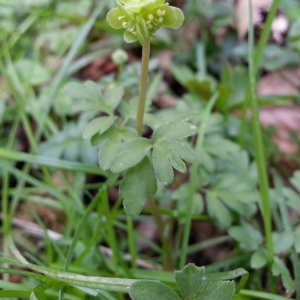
{"x": 259, "y": 147}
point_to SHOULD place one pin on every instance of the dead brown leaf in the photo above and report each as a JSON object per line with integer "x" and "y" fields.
{"x": 284, "y": 82}
{"x": 284, "y": 119}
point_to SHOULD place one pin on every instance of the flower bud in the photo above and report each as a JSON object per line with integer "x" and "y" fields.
{"x": 119, "y": 57}
{"x": 141, "y": 18}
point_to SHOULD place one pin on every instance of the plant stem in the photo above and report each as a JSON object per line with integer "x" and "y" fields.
{"x": 256, "y": 60}
{"x": 265, "y": 34}
{"x": 143, "y": 85}
{"x": 260, "y": 153}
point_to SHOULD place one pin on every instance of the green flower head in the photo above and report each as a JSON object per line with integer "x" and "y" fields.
{"x": 141, "y": 18}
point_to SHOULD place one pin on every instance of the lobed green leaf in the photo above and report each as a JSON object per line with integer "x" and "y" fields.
{"x": 162, "y": 166}
{"x": 174, "y": 131}
{"x": 111, "y": 142}
{"x": 130, "y": 154}
{"x": 189, "y": 281}
{"x": 137, "y": 183}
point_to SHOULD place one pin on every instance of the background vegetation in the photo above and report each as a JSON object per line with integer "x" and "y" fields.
{"x": 236, "y": 208}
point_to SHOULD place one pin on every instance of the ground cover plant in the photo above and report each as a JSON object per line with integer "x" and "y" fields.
{"x": 135, "y": 174}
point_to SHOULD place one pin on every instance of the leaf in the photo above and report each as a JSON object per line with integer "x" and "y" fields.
{"x": 133, "y": 193}
{"x": 174, "y": 131}
{"x": 69, "y": 144}
{"x": 162, "y": 166}
{"x": 189, "y": 281}
{"x": 294, "y": 36}
{"x": 282, "y": 241}
{"x": 111, "y": 141}
{"x": 275, "y": 57}
{"x": 144, "y": 172}
{"x": 168, "y": 153}
{"x": 151, "y": 290}
{"x": 248, "y": 236}
{"x": 295, "y": 180}
{"x": 98, "y": 125}
{"x": 137, "y": 182}
{"x": 31, "y": 71}
{"x": 222, "y": 290}
{"x": 292, "y": 198}
{"x": 236, "y": 199}
{"x": 181, "y": 150}
{"x": 86, "y": 97}
{"x": 82, "y": 91}
{"x": 297, "y": 239}
{"x": 181, "y": 195}
{"x": 113, "y": 96}
{"x": 218, "y": 210}
{"x": 130, "y": 154}
{"x": 259, "y": 259}
{"x": 177, "y": 163}
{"x": 182, "y": 74}
{"x": 279, "y": 268}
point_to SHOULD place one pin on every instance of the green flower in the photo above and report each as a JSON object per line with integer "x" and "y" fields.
{"x": 141, "y": 18}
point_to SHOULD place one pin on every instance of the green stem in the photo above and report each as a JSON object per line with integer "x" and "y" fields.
{"x": 259, "y": 152}
{"x": 257, "y": 57}
{"x": 143, "y": 85}
{"x": 265, "y": 34}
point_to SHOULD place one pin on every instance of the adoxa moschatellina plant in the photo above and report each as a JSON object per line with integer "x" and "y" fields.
{"x": 140, "y": 19}
{"x": 140, "y": 161}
